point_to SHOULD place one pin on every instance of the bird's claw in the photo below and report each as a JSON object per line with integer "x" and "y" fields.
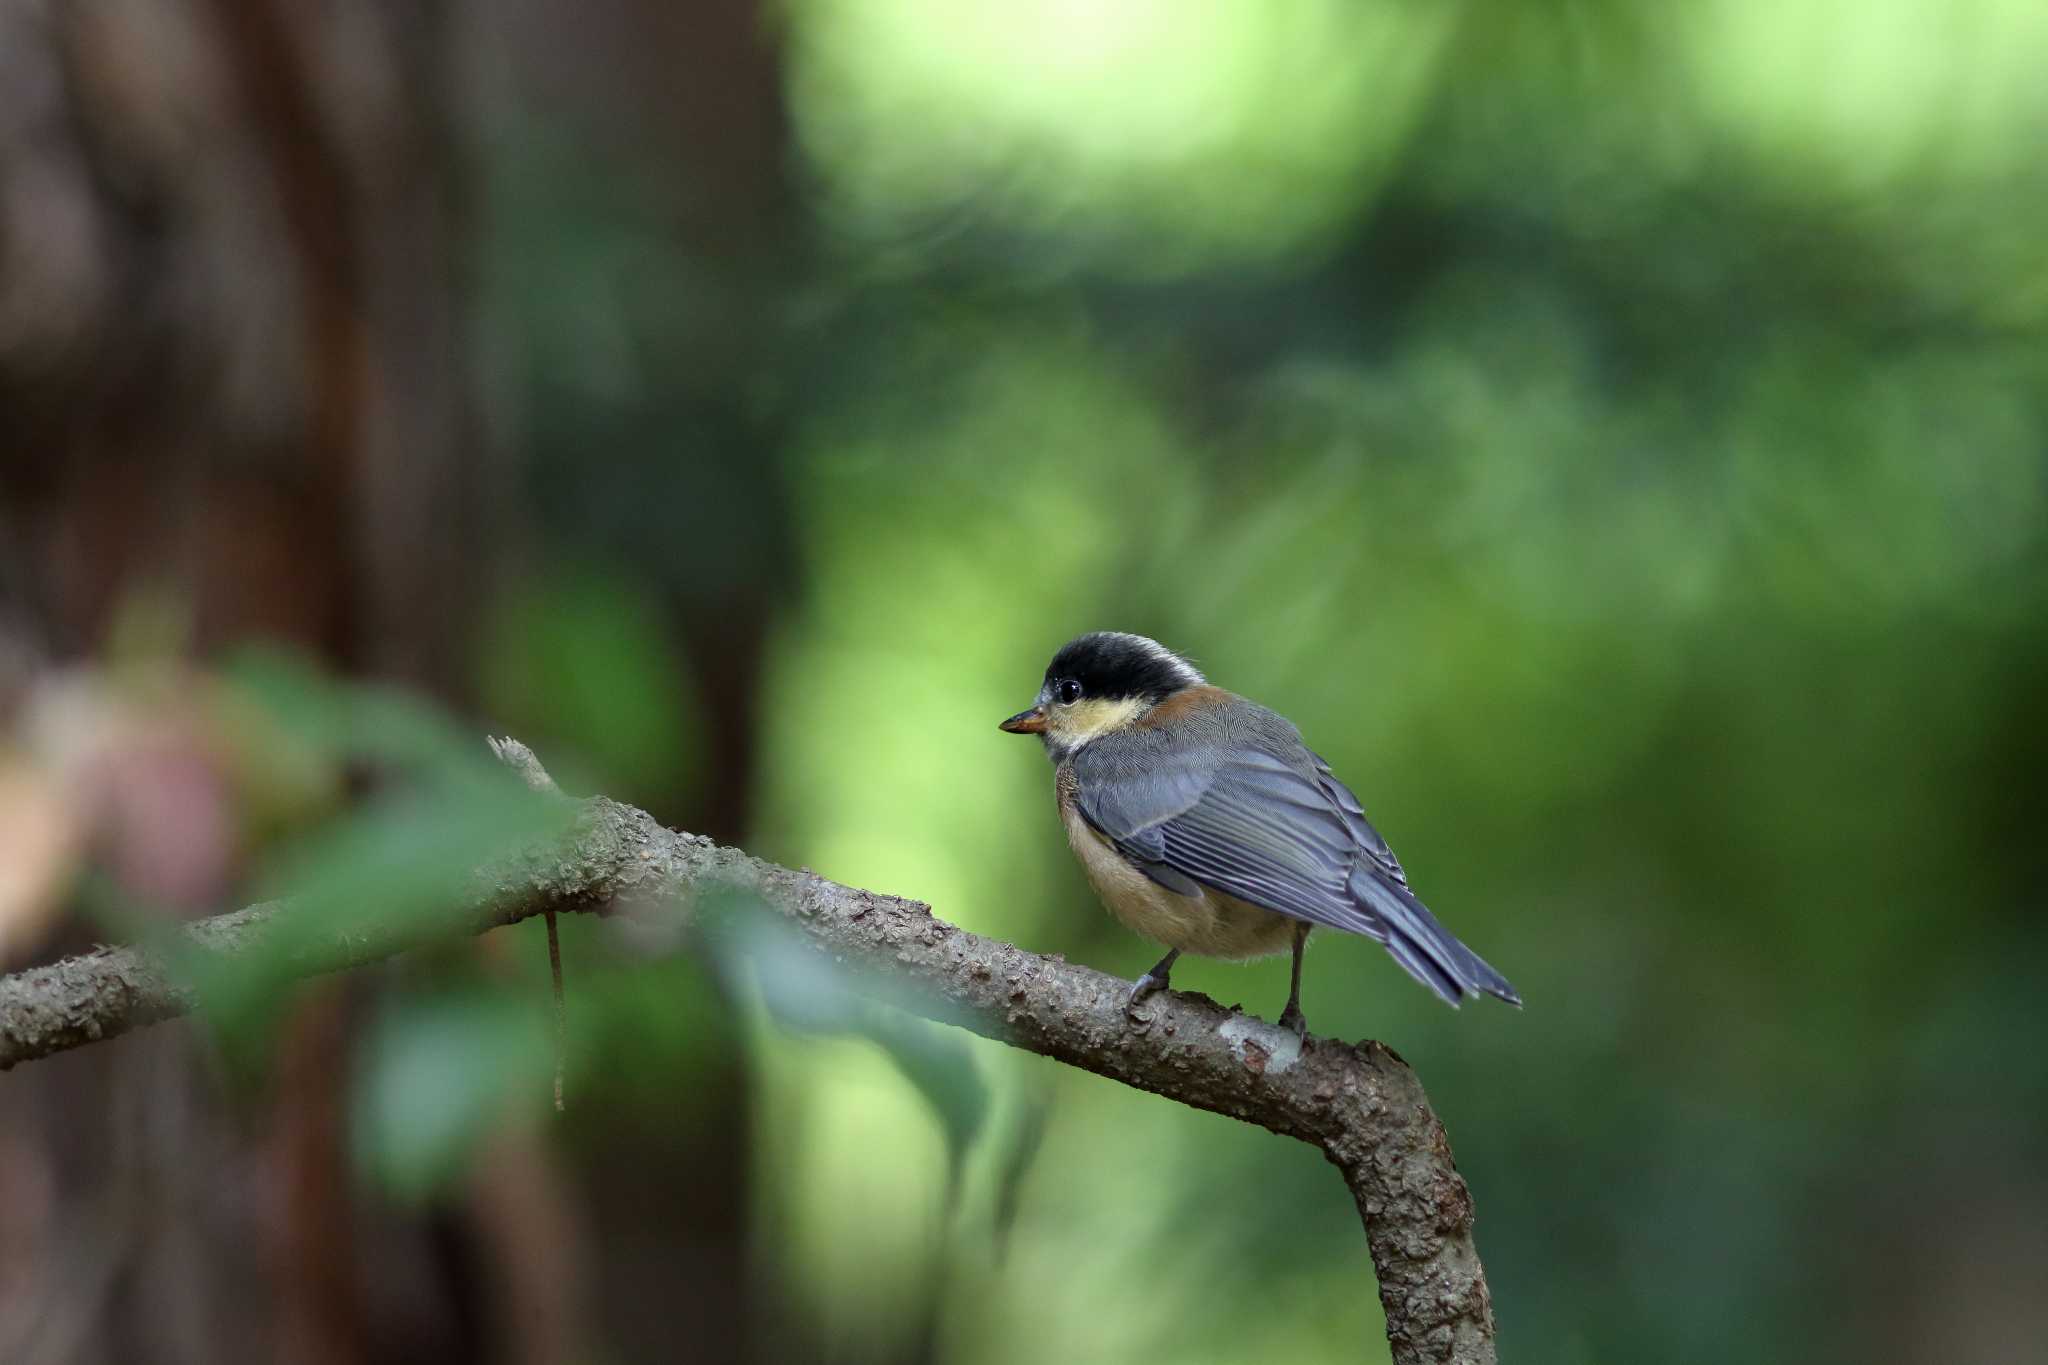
{"x": 1291, "y": 1019}
{"x": 1143, "y": 988}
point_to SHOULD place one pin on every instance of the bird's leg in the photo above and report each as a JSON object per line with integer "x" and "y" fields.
{"x": 1290, "y": 1018}
{"x": 1154, "y": 980}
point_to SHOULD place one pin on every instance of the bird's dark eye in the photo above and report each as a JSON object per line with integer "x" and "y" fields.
{"x": 1067, "y": 691}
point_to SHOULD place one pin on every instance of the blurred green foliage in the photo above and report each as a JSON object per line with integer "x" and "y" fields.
{"x": 436, "y": 1079}
{"x": 1617, "y": 438}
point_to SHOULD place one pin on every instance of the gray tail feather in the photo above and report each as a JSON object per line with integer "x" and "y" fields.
{"x": 1427, "y": 949}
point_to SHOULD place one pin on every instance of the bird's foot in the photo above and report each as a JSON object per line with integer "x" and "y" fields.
{"x": 1146, "y": 986}
{"x": 1154, "y": 980}
{"x": 1291, "y": 1019}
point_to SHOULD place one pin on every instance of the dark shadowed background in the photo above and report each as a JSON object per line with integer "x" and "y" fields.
{"x": 1617, "y": 434}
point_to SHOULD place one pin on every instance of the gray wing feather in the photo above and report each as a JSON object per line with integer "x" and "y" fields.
{"x": 1129, "y": 801}
{"x": 1246, "y": 809}
{"x": 1354, "y": 815}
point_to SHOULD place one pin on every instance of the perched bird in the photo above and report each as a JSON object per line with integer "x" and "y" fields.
{"x": 1205, "y": 824}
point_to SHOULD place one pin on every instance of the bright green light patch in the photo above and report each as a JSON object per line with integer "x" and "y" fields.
{"x": 856, "y": 1194}
{"x": 1864, "y": 94}
{"x": 1169, "y": 134}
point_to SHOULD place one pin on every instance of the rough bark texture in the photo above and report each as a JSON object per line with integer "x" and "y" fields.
{"x": 1360, "y": 1104}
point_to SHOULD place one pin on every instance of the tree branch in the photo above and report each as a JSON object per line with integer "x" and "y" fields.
{"x": 1359, "y": 1104}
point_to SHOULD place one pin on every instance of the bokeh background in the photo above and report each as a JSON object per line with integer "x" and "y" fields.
{"x": 1615, "y": 432}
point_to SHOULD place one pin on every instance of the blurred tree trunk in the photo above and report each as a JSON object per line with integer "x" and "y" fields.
{"x": 235, "y": 377}
{"x": 231, "y": 376}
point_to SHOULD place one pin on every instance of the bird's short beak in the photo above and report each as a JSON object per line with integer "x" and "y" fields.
{"x": 1030, "y": 722}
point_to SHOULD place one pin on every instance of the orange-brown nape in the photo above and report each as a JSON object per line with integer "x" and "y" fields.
{"x": 1181, "y": 704}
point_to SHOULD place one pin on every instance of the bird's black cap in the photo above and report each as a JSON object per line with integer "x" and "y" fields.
{"x": 1110, "y": 663}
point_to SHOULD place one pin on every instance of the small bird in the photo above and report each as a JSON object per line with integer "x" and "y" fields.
{"x": 1205, "y": 824}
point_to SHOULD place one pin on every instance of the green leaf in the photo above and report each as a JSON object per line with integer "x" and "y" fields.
{"x": 437, "y": 1076}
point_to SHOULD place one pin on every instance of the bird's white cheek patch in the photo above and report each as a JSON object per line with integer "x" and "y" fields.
{"x": 1075, "y": 725}
{"x": 1264, "y": 1048}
